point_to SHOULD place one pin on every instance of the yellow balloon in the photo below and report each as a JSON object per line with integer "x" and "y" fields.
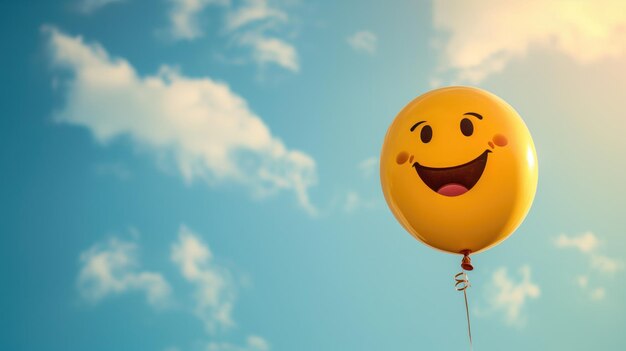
{"x": 459, "y": 169}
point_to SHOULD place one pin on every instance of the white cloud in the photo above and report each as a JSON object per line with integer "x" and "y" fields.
{"x": 588, "y": 244}
{"x": 112, "y": 268}
{"x": 214, "y": 295}
{"x": 250, "y": 22}
{"x": 246, "y": 23}
{"x": 253, "y": 11}
{"x": 200, "y": 124}
{"x": 253, "y": 343}
{"x": 509, "y": 296}
{"x": 369, "y": 166}
{"x": 482, "y": 37}
{"x": 354, "y": 202}
{"x": 597, "y": 294}
{"x": 90, "y": 6}
{"x": 258, "y": 343}
{"x": 184, "y": 17}
{"x": 364, "y": 41}
{"x": 271, "y": 50}
{"x": 585, "y": 242}
{"x": 605, "y": 264}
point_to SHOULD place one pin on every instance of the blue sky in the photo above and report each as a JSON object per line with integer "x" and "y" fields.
{"x": 202, "y": 175}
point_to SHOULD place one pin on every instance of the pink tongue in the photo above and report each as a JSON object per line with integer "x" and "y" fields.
{"x": 452, "y": 189}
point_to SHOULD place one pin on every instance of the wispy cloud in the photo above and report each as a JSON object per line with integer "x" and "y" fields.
{"x": 364, "y": 41}
{"x": 90, "y": 6}
{"x": 248, "y": 24}
{"x": 606, "y": 264}
{"x": 253, "y": 11}
{"x": 500, "y": 32}
{"x": 582, "y": 281}
{"x": 508, "y": 295}
{"x": 355, "y": 202}
{"x": 352, "y": 200}
{"x": 595, "y": 294}
{"x": 268, "y": 50}
{"x": 214, "y": 290}
{"x": 112, "y": 268}
{"x": 368, "y": 166}
{"x": 588, "y": 244}
{"x": 253, "y": 343}
{"x": 208, "y": 131}
{"x": 184, "y": 16}
{"x": 585, "y": 242}
{"x": 215, "y": 294}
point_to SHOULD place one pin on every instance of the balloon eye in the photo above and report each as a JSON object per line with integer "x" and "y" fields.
{"x": 467, "y": 128}
{"x": 426, "y": 134}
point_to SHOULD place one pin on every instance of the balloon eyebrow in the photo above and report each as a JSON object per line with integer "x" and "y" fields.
{"x": 417, "y": 124}
{"x": 473, "y": 114}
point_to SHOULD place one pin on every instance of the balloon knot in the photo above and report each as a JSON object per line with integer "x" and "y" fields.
{"x": 466, "y": 262}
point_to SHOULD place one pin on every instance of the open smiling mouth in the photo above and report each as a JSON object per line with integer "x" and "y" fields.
{"x": 453, "y": 181}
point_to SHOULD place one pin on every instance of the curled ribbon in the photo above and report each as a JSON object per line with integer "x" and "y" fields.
{"x": 462, "y": 281}
{"x": 461, "y": 284}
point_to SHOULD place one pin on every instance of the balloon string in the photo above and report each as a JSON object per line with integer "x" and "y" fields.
{"x": 462, "y": 283}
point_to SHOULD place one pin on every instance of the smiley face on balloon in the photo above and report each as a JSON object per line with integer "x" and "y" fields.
{"x": 459, "y": 169}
